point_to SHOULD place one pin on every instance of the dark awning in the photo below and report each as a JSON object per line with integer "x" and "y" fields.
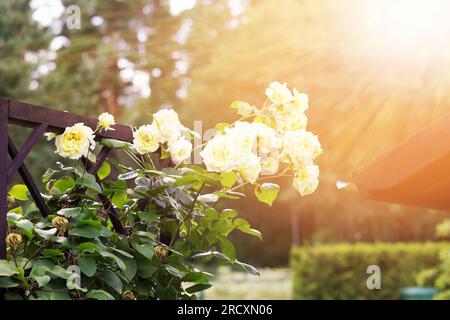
{"x": 416, "y": 172}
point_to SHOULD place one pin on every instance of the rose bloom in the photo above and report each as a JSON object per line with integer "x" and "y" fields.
{"x": 301, "y": 146}
{"x": 279, "y": 93}
{"x": 266, "y": 137}
{"x": 287, "y": 120}
{"x": 145, "y": 139}
{"x": 306, "y": 179}
{"x": 168, "y": 125}
{"x": 300, "y": 101}
{"x": 220, "y": 154}
{"x": 243, "y": 135}
{"x": 106, "y": 120}
{"x": 180, "y": 150}
{"x": 250, "y": 168}
{"x": 75, "y": 142}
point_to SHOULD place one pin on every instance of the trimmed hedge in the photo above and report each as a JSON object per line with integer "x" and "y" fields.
{"x": 338, "y": 271}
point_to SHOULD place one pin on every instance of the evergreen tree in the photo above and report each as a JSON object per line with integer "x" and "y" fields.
{"x": 18, "y": 35}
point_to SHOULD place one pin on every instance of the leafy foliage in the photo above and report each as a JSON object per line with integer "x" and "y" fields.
{"x": 171, "y": 228}
{"x": 320, "y": 270}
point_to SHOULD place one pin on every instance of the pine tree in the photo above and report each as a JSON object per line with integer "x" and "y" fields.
{"x": 18, "y": 35}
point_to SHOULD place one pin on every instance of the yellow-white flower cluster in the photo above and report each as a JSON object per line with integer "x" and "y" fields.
{"x": 166, "y": 129}
{"x": 75, "y": 142}
{"x": 244, "y": 148}
{"x": 251, "y": 148}
{"x": 105, "y": 121}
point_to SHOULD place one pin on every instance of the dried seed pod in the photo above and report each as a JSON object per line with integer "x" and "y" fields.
{"x": 11, "y": 201}
{"x": 60, "y": 223}
{"x": 160, "y": 252}
{"x": 14, "y": 240}
{"x": 128, "y": 295}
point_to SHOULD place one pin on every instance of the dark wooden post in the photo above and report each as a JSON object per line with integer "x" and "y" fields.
{"x": 43, "y": 119}
{"x": 4, "y": 106}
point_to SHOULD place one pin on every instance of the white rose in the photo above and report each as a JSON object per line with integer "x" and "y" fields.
{"x": 301, "y": 146}
{"x": 267, "y": 138}
{"x": 219, "y": 154}
{"x": 300, "y": 101}
{"x": 168, "y": 125}
{"x": 106, "y": 120}
{"x": 75, "y": 142}
{"x": 180, "y": 150}
{"x": 279, "y": 93}
{"x": 244, "y": 137}
{"x": 306, "y": 179}
{"x": 287, "y": 120}
{"x": 243, "y": 108}
{"x": 250, "y": 168}
{"x": 270, "y": 164}
{"x": 145, "y": 139}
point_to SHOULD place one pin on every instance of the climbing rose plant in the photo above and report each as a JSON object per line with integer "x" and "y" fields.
{"x": 172, "y": 225}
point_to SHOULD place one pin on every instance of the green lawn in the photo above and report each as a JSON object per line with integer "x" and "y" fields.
{"x": 272, "y": 284}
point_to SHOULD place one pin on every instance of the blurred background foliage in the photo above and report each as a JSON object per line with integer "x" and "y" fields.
{"x": 133, "y": 57}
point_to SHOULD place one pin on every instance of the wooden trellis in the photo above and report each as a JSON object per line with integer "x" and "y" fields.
{"x": 42, "y": 120}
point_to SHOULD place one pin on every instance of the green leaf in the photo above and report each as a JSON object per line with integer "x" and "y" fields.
{"x": 148, "y": 217}
{"x": 248, "y": 268}
{"x": 88, "y": 181}
{"x": 112, "y": 280}
{"x": 173, "y": 271}
{"x": 87, "y": 265}
{"x": 14, "y": 216}
{"x": 8, "y": 283}
{"x": 112, "y": 143}
{"x": 116, "y": 259}
{"x": 210, "y": 254}
{"x": 145, "y": 268}
{"x": 227, "y": 247}
{"x": 60, "y": 272}
{"x": 228, "y": 179}
{"x": 267, "y": 192}
{"x": 88, "y": 247}
{"x": 16, "y": 210}
{"x": 55, "y": 253}
{"x": 228, "y": 213}
{"x": 128, "y": 175}
{"x": 222, "y": 126}
{"x": 197, "y": 277}
{"x": 243, "y": 108}
{"x": 145, "y": 249}
{"x": 7, "y": 269}
{"x": 198, "y": 287}
{"x": 26, "y": 226}
{"x": 119, "y": 199}
{"x": 208, "y": 198}
{"x": 42, "y": 281}
{"x": 131, "y": 269}
{"x": 164, "y": 154}
{"x": 91, "y": 157}
{"x": 124, "y": 253}
{"x": 85, "y": 231}
{"x": 19, "y": 192}
{"x": 46, "y": 234}
{"x": 64, "y": 184}
{"x": 244, "y": 226}
{"x": 104, "y": 170}
{"x": 69, "y": 212}
{"x": 88, "y": 222}
{"x": 99, "y": 295}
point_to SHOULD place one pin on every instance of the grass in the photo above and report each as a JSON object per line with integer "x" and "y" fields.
{"x": 274, "y": 284}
